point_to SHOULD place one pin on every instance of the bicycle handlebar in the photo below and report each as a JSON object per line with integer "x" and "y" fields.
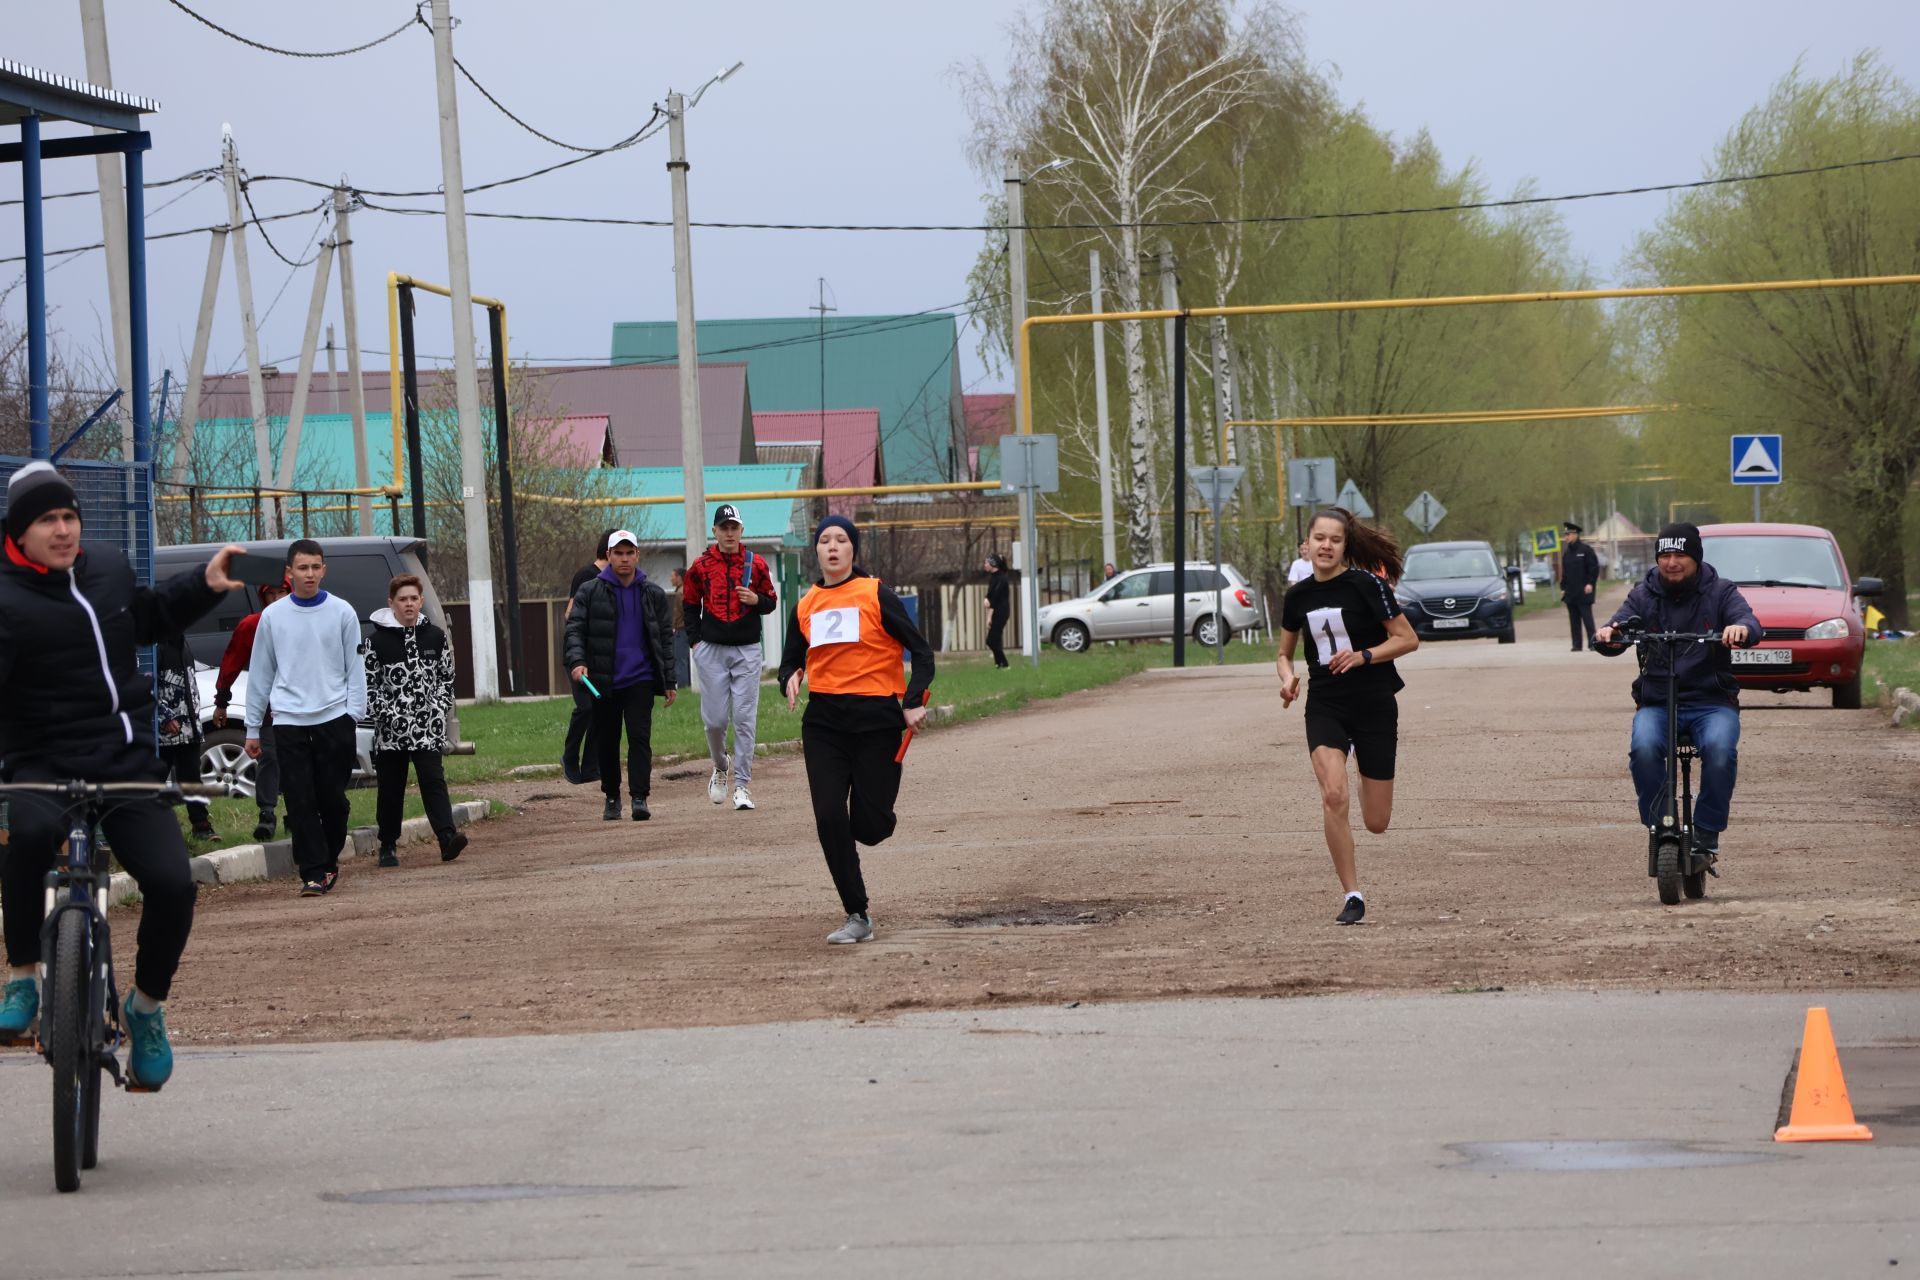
{"x": 79, "y": 789}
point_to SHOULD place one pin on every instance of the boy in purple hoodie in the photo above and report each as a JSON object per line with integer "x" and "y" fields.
{"x": 620, "y": 646}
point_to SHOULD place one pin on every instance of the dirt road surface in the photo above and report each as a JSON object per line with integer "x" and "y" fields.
{"x": 1159, "y": 837}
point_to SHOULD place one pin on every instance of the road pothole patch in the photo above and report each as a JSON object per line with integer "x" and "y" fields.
{"x": 1028, "y": 914}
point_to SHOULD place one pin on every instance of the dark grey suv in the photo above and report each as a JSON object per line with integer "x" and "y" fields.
{"x": 1456, "y": 591}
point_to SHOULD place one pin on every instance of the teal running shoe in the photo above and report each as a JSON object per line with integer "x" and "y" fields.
{"x": 17, "y": 1008}
{"x": 149, "y": 1056}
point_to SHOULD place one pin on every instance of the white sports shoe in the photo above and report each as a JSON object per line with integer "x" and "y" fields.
{"x": 858, "y": 928}
{"x": 717, "y": 784}
{"x": 742, "y": 799}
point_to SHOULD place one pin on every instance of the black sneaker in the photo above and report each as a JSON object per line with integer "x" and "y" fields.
{"x": 640, "y": 811}
{"x": 451, "y": 845}
{"x": 612, "y": 812}
{"x": 329, "y": 880}
{"x": 263, "y": 829}
{"x": 312, "y": 888}
{"x": 1706, "y": 841}
{"x": 388, "y": 857}
{"x": 1353, "y": 912}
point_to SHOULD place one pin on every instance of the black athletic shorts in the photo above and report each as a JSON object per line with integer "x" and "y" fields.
{"x": 1368, "y": 728}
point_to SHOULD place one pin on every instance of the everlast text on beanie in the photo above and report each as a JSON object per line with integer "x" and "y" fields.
{"x": 1684, "y": 538}
{"x": 34, "y": 490}
{"x": 839, "y": 522}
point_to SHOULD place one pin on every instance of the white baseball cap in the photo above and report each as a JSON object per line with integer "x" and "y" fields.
{"x": 619, "y": 536}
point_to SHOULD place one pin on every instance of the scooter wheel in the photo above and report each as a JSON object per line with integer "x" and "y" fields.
{"x": 1694, "y": 884}
{"x": 1666, "y": 871}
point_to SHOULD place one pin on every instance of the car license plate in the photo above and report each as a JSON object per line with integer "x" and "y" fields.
{"x": 1763, "y": 657}
{"x": 1452, "y": 622}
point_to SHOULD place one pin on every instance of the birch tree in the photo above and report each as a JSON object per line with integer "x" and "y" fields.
{"x": 1123, "y": 88}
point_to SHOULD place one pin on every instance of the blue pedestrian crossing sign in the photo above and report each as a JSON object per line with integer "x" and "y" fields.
{"x": 1546, "y": 542}
{"x": 1756, "y": 459}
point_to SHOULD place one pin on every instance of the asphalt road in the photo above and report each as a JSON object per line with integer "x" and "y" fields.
{"x": 1357, "y": 1135}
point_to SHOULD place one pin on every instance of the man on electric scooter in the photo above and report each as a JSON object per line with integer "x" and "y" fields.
{"x": 1683, "y": 593}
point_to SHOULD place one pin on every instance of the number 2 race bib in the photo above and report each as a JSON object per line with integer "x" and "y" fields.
{"x": 836, "y": 626}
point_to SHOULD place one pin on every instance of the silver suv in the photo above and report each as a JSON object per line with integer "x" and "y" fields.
{"x": 1138, "y": 605}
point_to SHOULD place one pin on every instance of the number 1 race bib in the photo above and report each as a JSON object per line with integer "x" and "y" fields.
{"x": 836, "y": 626}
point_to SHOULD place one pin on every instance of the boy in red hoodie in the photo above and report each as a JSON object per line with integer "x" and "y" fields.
{"x": 728, "y": 590}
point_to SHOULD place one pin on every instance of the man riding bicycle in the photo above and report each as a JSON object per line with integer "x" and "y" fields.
{"x": 1683, "y": 593}
{"x": 73, "y": 705}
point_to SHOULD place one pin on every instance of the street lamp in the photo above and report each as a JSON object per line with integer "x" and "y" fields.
{"x": 1016, "y": 183}
{"x": 693, "y": 458}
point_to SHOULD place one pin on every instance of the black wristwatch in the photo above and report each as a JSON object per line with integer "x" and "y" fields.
{"x": 1366, "y": 657}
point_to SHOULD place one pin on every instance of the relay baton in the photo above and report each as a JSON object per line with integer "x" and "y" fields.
{"x": 906, "y": 740}
{"x": 589, "y": 683}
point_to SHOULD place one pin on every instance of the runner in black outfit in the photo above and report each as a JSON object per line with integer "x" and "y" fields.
{"x": 1356, "y": 628}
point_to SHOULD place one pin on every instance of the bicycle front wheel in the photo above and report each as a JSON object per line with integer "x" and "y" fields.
{"x": 69, "y": 1049}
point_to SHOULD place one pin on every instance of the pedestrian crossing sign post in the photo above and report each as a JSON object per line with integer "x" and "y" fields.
{"x": 1546, "y": 542}
{"x": 1756, "y": 459}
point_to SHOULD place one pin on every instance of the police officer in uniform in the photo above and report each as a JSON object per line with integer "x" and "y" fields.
{"x": 1579, "y": 575}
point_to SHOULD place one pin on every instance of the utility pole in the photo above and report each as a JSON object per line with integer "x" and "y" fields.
{"x": 333, "y": 373}
{"x": 356, "y": 388}
{"x": 113, "y": 220}
{"x": 693, "y": 450}
{"x": 1223, "y": 448}
{"x": 196, "y": 374}
{"x": 823, "y": 308}
{"x": 303, "y": 380}
{"x": 473, "y": 482}
{"x": 1017, "y": 270}
{"x": 1107, "y": 553}
{"x": 249, "y": 331}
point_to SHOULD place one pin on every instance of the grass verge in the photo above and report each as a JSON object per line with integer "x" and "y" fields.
{"x": 1891, "y": 664}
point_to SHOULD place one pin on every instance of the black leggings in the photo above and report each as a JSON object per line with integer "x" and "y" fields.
{"x": 146, "y": 839}
{"x": 996, "y": 629}
{"x": 854, "y": 781}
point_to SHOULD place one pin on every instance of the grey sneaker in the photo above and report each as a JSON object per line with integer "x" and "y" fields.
{"x": 858, "y": 928}
{"x": 717, "y": 783}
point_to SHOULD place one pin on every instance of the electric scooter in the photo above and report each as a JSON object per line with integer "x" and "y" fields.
{"x": 1674, "y": 860}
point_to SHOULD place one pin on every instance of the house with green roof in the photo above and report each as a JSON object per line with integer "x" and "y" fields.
{"x": 906, "y": 366}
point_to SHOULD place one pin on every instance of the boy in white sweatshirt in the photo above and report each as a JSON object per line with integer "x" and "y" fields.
{"x": 307, "y": 666}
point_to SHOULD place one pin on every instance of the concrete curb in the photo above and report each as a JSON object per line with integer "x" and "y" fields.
{"x": 1906, "y": 707}
{"x": 274, "y": 860}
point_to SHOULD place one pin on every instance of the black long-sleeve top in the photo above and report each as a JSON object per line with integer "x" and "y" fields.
{"x": 857, "y": 712}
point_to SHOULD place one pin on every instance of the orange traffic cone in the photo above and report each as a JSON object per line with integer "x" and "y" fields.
{"x": 1821, "y": 1109}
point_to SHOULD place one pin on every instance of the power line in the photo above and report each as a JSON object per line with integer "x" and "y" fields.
{"x": 294, "y": 53}
{"x": 90, "y": 191}
{"x": 185, "y": 231}
{"x": 248, "y": 197}
{"x": 501, "y": 107}
{"x": 1256, "y": 220}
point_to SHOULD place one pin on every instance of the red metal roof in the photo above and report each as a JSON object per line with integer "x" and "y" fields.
{"x": 849, "y": 446}
{"x": 988, "y": 417}
{"x": 641, "y": 403}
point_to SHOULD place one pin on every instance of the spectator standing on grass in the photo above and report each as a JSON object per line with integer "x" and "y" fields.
{"x": 618, "y": 643}
{"x": 239, "y": 654}
{"x": 848, "y": 637}
{"x": 1301, "y": 567}
{"x": 307, "y": 666}
{"x": 682, "y": 647}
{"x": 409, "y": 696}
{"x": 999, "y": 596}
{"x": 178, "y": 716}
{"x": 728, "y": 591}
{"x": 579, "y": 755}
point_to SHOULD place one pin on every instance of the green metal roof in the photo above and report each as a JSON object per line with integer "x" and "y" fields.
{"x": 904, "y": 366}
{"x": 223, "y": 450}
{"x": 761, "y": 519}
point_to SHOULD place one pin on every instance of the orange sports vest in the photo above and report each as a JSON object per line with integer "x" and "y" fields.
{"x": 848, "y": 648}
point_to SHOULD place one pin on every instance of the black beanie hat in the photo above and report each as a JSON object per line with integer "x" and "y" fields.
{"x": 1684, "y": 538}
{"x": 839, "y": 522}
{"x": 34, "y": 490}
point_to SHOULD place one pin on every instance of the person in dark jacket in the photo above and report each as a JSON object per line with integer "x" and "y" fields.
{"x": 75, "y": 704}
{"x": 1579, "y": 575}
{"x": 999, "y": 597}
{"x": 1683, "y": 593}
{"x": 579, "y": 754}
{"x": 847, "y": 637}
{"x": 409, "y": 696}
{"x": 620, "y": 647}
{"x": 175, "y": 690}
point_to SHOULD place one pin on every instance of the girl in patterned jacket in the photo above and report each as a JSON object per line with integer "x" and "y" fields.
{"x": 409, "y": 695}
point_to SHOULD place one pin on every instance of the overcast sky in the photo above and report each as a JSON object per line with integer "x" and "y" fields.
{"x": 844, "y": 112}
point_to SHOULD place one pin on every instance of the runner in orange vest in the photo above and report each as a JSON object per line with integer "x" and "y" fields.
{"x": 848, "y": 637}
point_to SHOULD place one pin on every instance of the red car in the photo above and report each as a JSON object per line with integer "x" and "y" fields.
{"x": 1797, "y": 582}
